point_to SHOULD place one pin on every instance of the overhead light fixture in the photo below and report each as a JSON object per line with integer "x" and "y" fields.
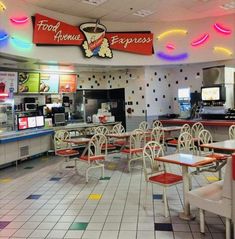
{"x": 94, "y": 2}
{"x": 143, "y": 13}
{"x": 228, "y": 6}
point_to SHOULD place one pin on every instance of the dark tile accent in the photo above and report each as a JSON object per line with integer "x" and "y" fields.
{"x": 55, "y": 179}
{"x": 163, "y": 227}
{"x": 157, "y": 196}
{"x": 105, "y": 178}
{"x": 70, "y": 166}
{"x": 34, "y": 196}
{"x": 3, "y": 224}
{"x": 29, "y": 167}
{"x": 78, "y": 226}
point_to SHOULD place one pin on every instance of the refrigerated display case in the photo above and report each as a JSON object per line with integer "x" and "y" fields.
{"x": 6, "y": 115}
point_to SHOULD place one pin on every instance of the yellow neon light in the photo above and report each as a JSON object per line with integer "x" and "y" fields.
{"x": 2, "y": 6}
{"x": 172, "y": 31}
{"x": 223, "y": 49}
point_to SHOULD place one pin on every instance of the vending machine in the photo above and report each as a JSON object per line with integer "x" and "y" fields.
{"x": 184, "y": 103}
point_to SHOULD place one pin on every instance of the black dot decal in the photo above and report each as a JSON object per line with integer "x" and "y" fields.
{"x": 176, "y": 82}
{"x": 156, "y": 99}
{"x": 143, "y": 111}
{"x": 159, "y": 79}
{"x": 130, "y": 75}
{"x": 89, "y": 79}
{"x": 80, "y": 86}
{"x": 186, "y": 78}
{"x": 130, "y": 103}
{"x": 127, "y": 81}
{"x": 110, "y": 86}
{"x": 120, "y": 77}
{"x": 109, "y": 81}
{"x": 92, "y": 87}
{"x": 140, "y": 88}
{"x": 164, "y": 96}
{"x": 96, "y": 81}
{"x": 148, "y": 105}
{"x": 147, "y": 85}
{"x": 154, "y": 90}
{"x": 169, "y": 85}
{"x": 142, "y": 96}
{"x": 169, "y": 107}
{"x": 98, "y": 84}
{"x": 181, "y": 70}
{"x": 110, "y": 76}
{"x": 133, "y": 92}
{"x": 104, "y": 77}
{"x": 165, "y": 76}
{"x": 93, "y": 76}
{"x": 198, "y": 73}
{"x": 136, "y": 102}
{"x": 78, "y": 76}
{"x": 155, "y": 73}
{"x": 175, "y": 99}
{"x": 132, "y": 110}
{"x": 113, "y": 78}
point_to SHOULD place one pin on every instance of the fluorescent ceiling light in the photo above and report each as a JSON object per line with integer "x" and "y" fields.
{"x": 142, "y": 13}
{"x": 94, "y": 2}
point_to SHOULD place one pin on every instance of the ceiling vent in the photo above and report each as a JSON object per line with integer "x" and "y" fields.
{"x": 143, "y": 13}
{"x": 94, "y": 2}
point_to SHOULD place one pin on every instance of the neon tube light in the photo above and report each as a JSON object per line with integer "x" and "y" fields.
{"x": 200, "y": 40}
{"x": 167, "y": 57}
{"x": 21, "y": 44}
{"x": 19, "y": 20}
{"x": 221, "y": 29}
{"x": 223, "y": 50}
{"x": 170, "y": 46}
{"x": 172, "y": 31}
{"x": 2, "y": 6}
{"x": 4, "y": 37}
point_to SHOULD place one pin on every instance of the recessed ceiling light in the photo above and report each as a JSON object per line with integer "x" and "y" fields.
{"x": 142, "y": 13}
{"x": 94, "y": 2}
{"x": 228, "y": 6}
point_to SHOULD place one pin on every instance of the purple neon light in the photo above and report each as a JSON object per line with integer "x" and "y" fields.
{"x": 167, "y": 57}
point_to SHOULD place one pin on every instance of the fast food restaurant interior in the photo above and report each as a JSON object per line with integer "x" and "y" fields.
{"x": 117, "y": 119}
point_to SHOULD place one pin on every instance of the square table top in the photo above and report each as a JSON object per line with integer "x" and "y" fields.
{"x": 223, "y": 145}
{"x": 78, "y": 140}
{"x": 186, "y": 159}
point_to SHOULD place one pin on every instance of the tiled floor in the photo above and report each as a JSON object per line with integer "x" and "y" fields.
{"x": 36, "y": 201}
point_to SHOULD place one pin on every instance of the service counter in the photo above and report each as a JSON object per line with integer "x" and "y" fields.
{"x": 218, "y": 128}
{"x": 16, "y": 145}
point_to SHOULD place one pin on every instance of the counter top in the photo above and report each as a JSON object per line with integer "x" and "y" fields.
{"x": 22, "y": 135}
{"x": 223, "y": 123}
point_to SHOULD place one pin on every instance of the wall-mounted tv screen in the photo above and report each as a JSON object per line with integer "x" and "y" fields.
{"x": 213, "y": 93}
{"x": 30, "y": 122}
{"x": 184, "y": 93}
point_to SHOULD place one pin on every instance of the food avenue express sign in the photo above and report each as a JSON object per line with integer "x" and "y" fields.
{"x": 92, "y": 37}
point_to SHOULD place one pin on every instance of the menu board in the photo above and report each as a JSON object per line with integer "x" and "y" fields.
{"x": 49, "y": 83}
{"x": 30, "y": 122}
{"x": 28, "y": 82}
{"x": 8, "y": 80}
{"x": 68, "y": 83}
{"x": 22, "y": 123}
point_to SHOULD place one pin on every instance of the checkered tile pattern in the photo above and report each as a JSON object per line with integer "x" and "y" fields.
{"x": 46, "y": 203}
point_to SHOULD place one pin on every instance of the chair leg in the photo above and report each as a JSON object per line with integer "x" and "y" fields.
{"x": 166, "y": 211}
{"x": 102, "y": 171}
{"x": 202, "y": 220}
{"x": 228, "y": 228}
{"x": 146, "y": 193}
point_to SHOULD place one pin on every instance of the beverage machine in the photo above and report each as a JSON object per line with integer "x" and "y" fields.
{"x": 184, "y": 103}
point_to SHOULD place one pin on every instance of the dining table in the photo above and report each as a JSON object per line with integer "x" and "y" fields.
{"x": 79, "y": 141}
{"x": 186, "y": 161}
{"x": 227, "y": 145}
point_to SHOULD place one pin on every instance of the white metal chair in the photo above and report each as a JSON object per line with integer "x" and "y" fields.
{"x": 157, "y": 123}
{"x": 118, "y": 128}
{"x": 215, "y": 198}
{"x": 157, "y": 135}
{"x": 205, "y": 137}
{"x": 62, "y": 147}
{"x": 196, "y": 129}
{"x": 135, "y": 147}
{"x": 104, "y": 130}
{"x": 186, "y": 144}
{"x": 96, "y": 154}
{"x": 231, "y": 132}
{"x": 152, "y": 150}
{"x": 184, "y": 128}
{"x": 144, "y": 126}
